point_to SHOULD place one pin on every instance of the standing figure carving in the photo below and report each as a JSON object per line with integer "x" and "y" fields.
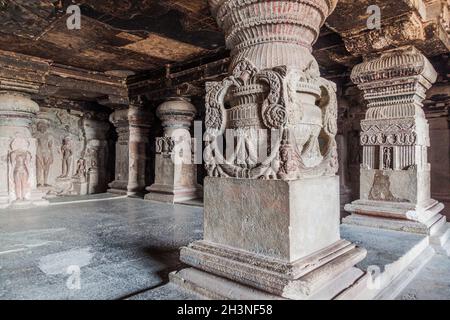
{"x": 387, "y": 158}
{"x": 67, "y": 157}
{"x": 81, "y": 172}
{"x": 44, "y": 154}
{"x": 20, "y": 159}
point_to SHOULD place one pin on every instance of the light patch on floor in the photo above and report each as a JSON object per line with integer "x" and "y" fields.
{"x": 58, "y": 263}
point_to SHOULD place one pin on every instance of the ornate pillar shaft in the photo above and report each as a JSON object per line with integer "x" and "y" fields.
{"x": 132, "y": 127}
{"x": 18, "y": 187}
{"x": 270, "y": 212}
{"x": 395, "y": 173}
{"x": 175, "y": 172}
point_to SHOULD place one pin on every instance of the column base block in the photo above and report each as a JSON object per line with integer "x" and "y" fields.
{"x": 166, "y": 194}
{"x": 118, "y": 191}
{"x": 278, "y": 237}
{"x": 424, "y": 219}
{"x": 80, "y": 188}
{"x": 322, "y": 275}
{"x": 118, "y": 187}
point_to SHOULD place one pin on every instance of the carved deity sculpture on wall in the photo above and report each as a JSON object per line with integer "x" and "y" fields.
{"x": 44, "y": 153}
{"x": 93, "y": 155}
{"x": 81, "y": 172}
{"x": 20, "y": 159}
{"x": 67, "y": 154}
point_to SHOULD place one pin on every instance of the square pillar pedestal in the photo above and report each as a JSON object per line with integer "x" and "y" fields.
{"x": 270, "y": 236}
{"x": 397, "y": 200}
{"x": 174, "y": 182}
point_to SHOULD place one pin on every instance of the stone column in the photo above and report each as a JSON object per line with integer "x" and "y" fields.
{"x": 342, "y": 145}
{"x": 272, "y": 215}
{"x": 18, "y": 187}
{"x": 119, "y": 119}
{"x": 440, "y": 160}
{"x": 132, "y": 125}
{"x": 395, "y": 173}
{"x": 96, "y": 153}
{"x": 140, "y": 122}
{"x": 175, "y": 178}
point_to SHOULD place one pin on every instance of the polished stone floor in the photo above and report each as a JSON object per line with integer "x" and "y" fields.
{"x": 122, "y": 247}
{"x": 125, "y": 248}
{"x": 432, "y": 283}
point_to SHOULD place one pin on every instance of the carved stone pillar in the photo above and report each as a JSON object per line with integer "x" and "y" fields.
{"x": 272, "y": 214}
{"x": 395, "y": 173}
{"x": 18, "y": 187}
{"x": 175, "y": 179}
{"x": 119, "y": 119}
{"x": 96, "y": 153}
{"x": 140, "y": 122}
{"x": 132, "y": 125}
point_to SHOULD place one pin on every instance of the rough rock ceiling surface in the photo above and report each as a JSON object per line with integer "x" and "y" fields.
{"x": 115, "y": 34}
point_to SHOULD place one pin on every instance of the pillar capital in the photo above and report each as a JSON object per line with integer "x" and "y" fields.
{"x": 401, "y": 75}
{"x": 138, "y": 115}
{"x": 176, "y": 113}
{"x": 14, "y": 101}
{"x": 271, "y": 33}
{"x": 16, "y": 110}
{"x": 119, "y": 118}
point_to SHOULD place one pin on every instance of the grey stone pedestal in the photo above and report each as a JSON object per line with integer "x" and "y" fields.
{"x": 270, "y": 236}
{"x": 174, "y": 182}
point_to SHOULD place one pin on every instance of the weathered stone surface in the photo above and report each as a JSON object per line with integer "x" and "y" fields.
{"x": 323, "y": 274}
{"x": 247, "y": 212}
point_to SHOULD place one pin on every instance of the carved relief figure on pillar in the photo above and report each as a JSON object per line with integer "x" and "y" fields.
{"x": 44, "y": 153}
{"x": 18, "y": 151}
{"x": 81, "y": 171}
{"x": 67, "y": 157}
{"x": 21, "y": 159}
